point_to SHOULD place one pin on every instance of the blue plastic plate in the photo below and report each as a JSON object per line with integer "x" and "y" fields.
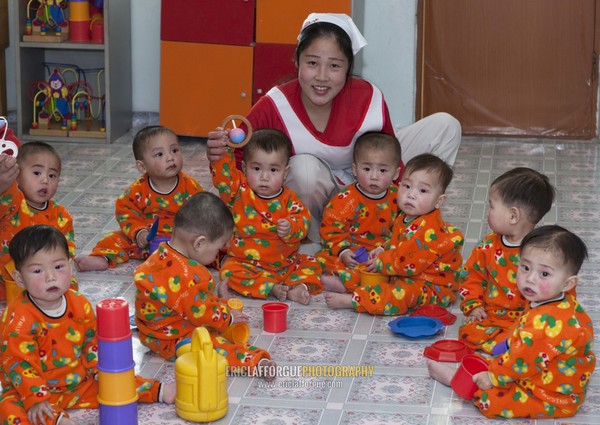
{"x": 416, "y": 326}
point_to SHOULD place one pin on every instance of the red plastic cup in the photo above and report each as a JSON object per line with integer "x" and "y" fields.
{"x": 462, "y": 381}
{"x": 275, "y": 317}
{"x": 112, "y": 316}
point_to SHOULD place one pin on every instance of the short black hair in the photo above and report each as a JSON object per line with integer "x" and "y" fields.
{"x": 31, "y": 148}
{"x": 30, "y": 240}
{"x": 268, "y": 140}
{"x": 204, "y": 214}
{"x": 565, "y": 244}
{"x": 144, "y": 135}
{"x": 527, "y": 189}
{"x": 378, "y": 140}
{"x": 433, "y": 164}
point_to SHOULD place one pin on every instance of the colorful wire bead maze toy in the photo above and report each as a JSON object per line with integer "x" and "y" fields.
{"x": 237, "y": 137}
{"x": 117, "y": 394}
{"x": 67, "y": 104}
{"x": 46, "y": 21}
{"x": 201, "y": 379}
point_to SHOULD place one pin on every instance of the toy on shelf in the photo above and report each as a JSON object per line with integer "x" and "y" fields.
{"x": 59, "y": 106}
{"x": 117, "y": 395}
{"x": 237, "y": 137}
{"x": 79, "y": 20}
{"x": 46, "y": 21}
{"x": 201, "y": 380}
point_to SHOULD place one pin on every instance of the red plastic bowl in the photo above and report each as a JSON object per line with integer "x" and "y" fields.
{"x": 447, "y": 350}
{"x": 436, "y": 312}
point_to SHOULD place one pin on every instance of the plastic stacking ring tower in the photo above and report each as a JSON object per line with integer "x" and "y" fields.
{"x": 201, "y": 379}
{"x": 79, "y": 20}
{"x": 117, "y": 394}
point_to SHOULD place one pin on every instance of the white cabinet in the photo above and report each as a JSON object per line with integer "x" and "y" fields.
{"x": 106, "y": 71}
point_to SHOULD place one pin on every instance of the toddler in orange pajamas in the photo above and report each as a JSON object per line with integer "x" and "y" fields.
{"x": 422, "y": 258}
{"x": 49, "y": 351}
{"x": 547, "y": 367}
{"x": 270, "y": 222}
{"x": 363, "y": 213}
{"x": 490, "y": 299}
{"x": 27, "y": 200}
{"x": 175, "y": 291}
{"x": 157, "y": 194}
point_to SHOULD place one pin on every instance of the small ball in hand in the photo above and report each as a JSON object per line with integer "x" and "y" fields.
{"x": 237, "y": 135}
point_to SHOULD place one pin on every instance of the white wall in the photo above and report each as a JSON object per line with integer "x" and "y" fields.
{"x": 388, "y": 60}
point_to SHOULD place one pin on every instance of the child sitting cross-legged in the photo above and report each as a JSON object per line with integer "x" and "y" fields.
{"x": 362, "y": 214}
{"x": 270, "y": 222}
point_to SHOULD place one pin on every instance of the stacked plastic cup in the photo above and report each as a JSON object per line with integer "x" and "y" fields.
{"x": 79, "y": 20}
{"x": 117, "y": 394}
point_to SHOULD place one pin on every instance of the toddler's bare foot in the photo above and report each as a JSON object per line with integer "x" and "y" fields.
{"x": 280, "y": 291}
{"x": 440, "y": 372}
{"x": 87, "y": 263}
{"x": 335, "y": 300}
{"x": 333, "y": 283}
{"x": 268, "y": 369}
{"x": 223, "y": 290}
{"x": 300, "y": 294}
{"x": 169, "y": 392}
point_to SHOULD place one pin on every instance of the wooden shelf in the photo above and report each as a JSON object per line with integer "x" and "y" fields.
{"x": 114, "y": 57}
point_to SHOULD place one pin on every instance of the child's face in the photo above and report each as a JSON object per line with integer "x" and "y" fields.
{"x": 206, "y": 251}
{"x": 419, "y": 193}
{"x": 266, "y": 172}
{"x": 322, "y": 70}
{"x": 47, "y": 276}
{"x": 162, "y": 157}
{"x": 542, "y": 275}
{"x": 38, "y": 178}
{"x": 499, "y": 214}
{"x": 375, "y": 171}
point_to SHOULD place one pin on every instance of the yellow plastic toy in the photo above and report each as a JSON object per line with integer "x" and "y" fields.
{"x": 201, "y": 379}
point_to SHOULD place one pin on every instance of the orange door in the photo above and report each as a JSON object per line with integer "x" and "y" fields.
{"x": 279, "y": 21}
{"x": 201, "y": 84}
{"x": 511, "y": 67}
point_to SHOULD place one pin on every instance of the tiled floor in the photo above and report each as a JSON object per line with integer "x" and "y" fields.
{"x": 399, "y": 392}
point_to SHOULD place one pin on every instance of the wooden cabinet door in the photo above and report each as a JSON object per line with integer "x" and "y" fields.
{"x": 201, "y": 84}
{"x": 273, "y": 65}
{"x": 511, "y": 67}
{"x": 279, "y": 21}
{"x": 208, "y": 21}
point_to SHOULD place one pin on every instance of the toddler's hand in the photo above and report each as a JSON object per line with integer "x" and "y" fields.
{"x": 217, "y": 140}
{"x": 284, "y": 227}
{"x": 9, "y": 170}
{"x": 348, "y": 259}
{"x": 38, "y": 412}
{"x": 476, "y": 315}
{"x": 374, "y": 253}
{"x": 239, "y": 316}
{"x": 483, "y": 381}
{"x": 370, "y": 264}
{"x": 140, "y": 238}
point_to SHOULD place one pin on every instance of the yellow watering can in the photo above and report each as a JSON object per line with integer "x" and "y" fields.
{"x": 201, "y": 380}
